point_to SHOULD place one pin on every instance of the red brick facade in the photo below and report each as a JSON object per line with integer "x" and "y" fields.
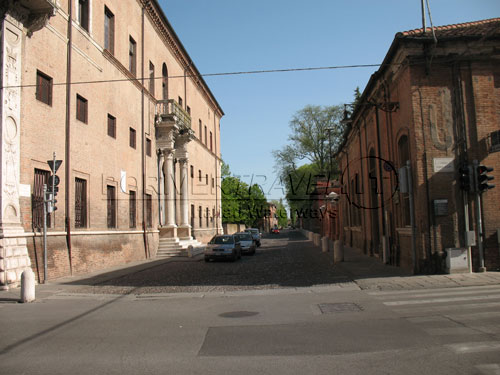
{"x": 436, "y": 105}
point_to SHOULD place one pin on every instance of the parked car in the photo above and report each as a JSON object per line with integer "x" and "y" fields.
{"x": 255, "y": 234}
{"x": 248, "y": 245}
{"x": 275, "y": 231}
{"x": 223, "y": 247}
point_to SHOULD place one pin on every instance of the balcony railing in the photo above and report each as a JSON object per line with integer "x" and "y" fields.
{"x": 170, "y": 108}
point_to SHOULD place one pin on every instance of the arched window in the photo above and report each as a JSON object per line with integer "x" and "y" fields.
{"x": 404, "y": 156}
{"x": 164, "y": 82}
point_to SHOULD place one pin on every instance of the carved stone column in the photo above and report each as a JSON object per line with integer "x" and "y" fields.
{"x": 184, "y": 230}
{"x": 161, "y": 187}
{"x": 168, "y": 170}
{"x": 14, "y": 19}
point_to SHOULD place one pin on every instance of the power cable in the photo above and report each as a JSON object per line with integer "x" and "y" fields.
{"x": 208, "y": 75}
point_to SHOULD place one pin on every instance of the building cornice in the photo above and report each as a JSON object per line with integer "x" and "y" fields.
{"x": 170, "y": 38}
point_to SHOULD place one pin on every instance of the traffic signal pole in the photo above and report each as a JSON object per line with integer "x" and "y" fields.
{"x": 45, "y": 233}
{"x": 479, "y": 221}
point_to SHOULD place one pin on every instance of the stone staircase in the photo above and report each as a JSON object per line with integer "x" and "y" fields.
{"x": 179, "y": 248}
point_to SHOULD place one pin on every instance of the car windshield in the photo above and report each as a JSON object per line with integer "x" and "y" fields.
{"x": 222, "y": 240}
{"x": 243, "y": 237}
{"x": 255, "y": 231}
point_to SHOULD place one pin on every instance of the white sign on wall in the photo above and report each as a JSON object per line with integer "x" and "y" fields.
{"x": 445, "y": 165}
{"x": 123, "y": 181}
{"x": 25, "y": 190}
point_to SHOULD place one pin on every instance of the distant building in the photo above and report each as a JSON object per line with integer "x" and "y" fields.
{"x": 270, "y": 220}
{"x": 434, "y": 104}
{"x": 138, "y": 133}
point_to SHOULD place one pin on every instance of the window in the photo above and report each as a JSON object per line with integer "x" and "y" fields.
{"x": 495, "y": 141}
{"x": 132, "y": 55}
{"x": 164, "y": 82}
{"x": 207, "y": 216}
{"x": 213, "y": 215}
{"x": 206, "y": 179}
{"x": 213, "y": 182}
{"x": 205, "y": 135}
{"x": 180, "y": 101}
{"x": 192, "y": 216}
{"x": 148, "y": 147}
{"x": 132, "y": 209}
{"x": 111, "y": 126}
{"x": 83, "y": 14}
{"x": 111, "y": 203}
{"x": 109, "y": 30}
{"x": 192, "y": 172}
{"x": 199, "y": 175}
{"x": 188, "y": 109}
{"x": 200, "y": 216}
{"x": 132, "y": 141}
{"x": 80, "y": 203}
{"x": 41, "y": 178}
{"x": 43, "y": 88}
{"x": 149, "y": 211}
{"x": 404, "y": 156}
{"x": 81, "y": 109}
{"x": 200, "y": 136}
{"x": 211, "y": 140}
{"x": 151, "y": 78}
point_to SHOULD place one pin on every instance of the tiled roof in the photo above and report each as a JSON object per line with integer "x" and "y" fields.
{"x": 469, "y": 29}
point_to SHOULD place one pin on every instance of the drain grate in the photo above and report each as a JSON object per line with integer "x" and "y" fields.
{"x": 238, "y": 314}
{"x": 332, "y": 308}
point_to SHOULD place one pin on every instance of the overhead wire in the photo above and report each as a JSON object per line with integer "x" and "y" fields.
{"x": 264, "y": 71}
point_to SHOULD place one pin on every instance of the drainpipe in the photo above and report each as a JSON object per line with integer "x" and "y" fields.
{"x": 382, "y": 211}
{"x": 143, "y": 159}
{"x": 216, "y": 178}
{"x": 67, "y": 150}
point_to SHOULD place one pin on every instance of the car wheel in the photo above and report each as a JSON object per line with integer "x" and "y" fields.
{"x": 207, "y": 259}
{"x": 234, "y": 257}
{"x": 239, "y": 255}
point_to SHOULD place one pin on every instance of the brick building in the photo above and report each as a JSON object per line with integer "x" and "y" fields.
{"x": 434, "y": 105}
{"x": 137, "y": 130}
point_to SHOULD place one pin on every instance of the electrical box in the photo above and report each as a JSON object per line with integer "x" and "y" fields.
{"x": 457, "y": 260}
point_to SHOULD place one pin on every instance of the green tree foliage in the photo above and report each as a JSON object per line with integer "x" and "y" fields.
{"x": 316, "y": 133}
{"x": 281, "y": 212}
{"x": 241, "y": 203}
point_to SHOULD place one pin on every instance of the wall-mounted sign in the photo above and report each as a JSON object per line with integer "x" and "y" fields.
{"x": 443, "y": 165}
{"x": 440, "y": 207}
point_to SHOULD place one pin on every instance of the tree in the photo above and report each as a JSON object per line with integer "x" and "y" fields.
{"x": 241, "y": 203}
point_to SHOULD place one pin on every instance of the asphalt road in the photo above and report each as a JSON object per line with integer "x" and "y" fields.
{"x": 312, "y": 326}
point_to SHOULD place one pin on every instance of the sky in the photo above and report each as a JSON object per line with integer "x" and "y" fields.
{"x": 235, "y": 35}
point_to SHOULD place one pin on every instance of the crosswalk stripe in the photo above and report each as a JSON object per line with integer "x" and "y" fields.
{"x": 434, "y": 290}
{"x": 440, "y": 300}
{"x": 475, "y": 347}
{"x": 440, "y": 309}
{"x": 449, "y": 293}
{"x": 489, "y": 369}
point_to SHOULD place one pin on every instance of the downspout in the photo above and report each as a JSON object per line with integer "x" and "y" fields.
{"x": 67, "y": 150}
{"x": 384, "y": 234}
{"x": 216, "y": 179}
{"x": 143, "y": 159}
{"x": 363, "y": 219}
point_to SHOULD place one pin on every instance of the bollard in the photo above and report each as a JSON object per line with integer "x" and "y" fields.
{"x": 324, "y": 244}
{"x": 338, "y": 251}
{"x": 27, "y": 286}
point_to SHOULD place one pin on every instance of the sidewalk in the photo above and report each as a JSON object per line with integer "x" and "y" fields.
{"x": 70, "y": 283}
{"x": 371, "y": 274}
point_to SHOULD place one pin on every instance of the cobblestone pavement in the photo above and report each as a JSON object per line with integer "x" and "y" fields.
{"x": 286, "y": 260}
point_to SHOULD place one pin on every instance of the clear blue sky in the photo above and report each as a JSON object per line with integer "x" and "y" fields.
{"x": 237, "y": 35}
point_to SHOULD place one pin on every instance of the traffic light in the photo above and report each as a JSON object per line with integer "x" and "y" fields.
{"x": 483, "y": 178}
{"x": 466, "y": 179}
{"x": 53, "y": 182}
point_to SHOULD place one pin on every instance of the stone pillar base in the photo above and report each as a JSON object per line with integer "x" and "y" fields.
{"x": 168, "y": 232}
{"x": 184, "y": 232}
{"x": 14, "y": 259}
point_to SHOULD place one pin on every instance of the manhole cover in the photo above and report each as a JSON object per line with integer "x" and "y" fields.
{"x": 238, "y": 314}
{"x": 331, "y": 308}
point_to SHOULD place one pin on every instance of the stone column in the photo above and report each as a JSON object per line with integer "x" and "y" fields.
{"x": 14, "y": 257}
{"x": 168, "y": 170}
{"x": 184, "y": 193}
{"x": 161, "y": 187}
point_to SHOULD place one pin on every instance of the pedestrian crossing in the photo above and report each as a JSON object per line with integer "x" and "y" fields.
{"x": 465, "y": 320}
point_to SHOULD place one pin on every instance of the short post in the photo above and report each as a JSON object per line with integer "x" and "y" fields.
{"x": 27, "y": 286}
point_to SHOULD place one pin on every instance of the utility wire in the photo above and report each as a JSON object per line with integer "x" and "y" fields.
{"x": 208, "y": 75}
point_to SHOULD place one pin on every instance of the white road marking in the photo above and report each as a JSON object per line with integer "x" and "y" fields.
{"x": 475, "y": 347}
{"x": 441, "y": 300}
